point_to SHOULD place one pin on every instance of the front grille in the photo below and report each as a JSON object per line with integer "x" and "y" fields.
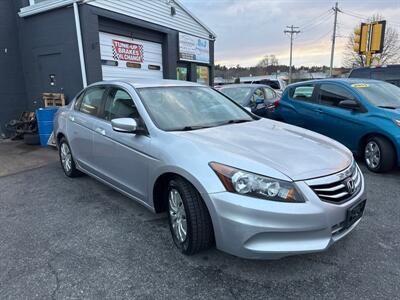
{"x": 339, "y": 188}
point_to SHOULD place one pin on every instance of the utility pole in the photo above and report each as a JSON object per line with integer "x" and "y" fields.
{"x": 336, "y": 10}
{"x": 291, "y": 30}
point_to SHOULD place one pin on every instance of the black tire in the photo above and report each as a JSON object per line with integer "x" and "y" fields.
{"x": 387, "y": 155}
{"x": 31, "y": 139}
{"x": 200, "y": 233}
{"x": 73, "y": 171}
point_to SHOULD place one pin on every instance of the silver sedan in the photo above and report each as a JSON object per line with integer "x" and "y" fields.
{"x": 255, "y": 188}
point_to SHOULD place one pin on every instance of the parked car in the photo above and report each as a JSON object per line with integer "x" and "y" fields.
{"x": 259, "y": 188}
{"x": 364, "y": 115}
{"x": 390, "y": 73}
{"x": 278, "y": 84}
{"x": 258, "y": 98}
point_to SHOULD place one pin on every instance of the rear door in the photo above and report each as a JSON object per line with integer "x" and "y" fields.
{"x": 300, "y": 107}
{"x": 341, "y": 124}
{"x": 81, "y": 123}
{"x": 121, "y": 157}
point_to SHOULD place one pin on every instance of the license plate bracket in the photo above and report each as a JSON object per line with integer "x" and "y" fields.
{"x": 355, "y": 213}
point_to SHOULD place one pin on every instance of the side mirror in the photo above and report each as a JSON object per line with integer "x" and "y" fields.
{"x": 127, "y": 125}
{"x": 349, "y": 104}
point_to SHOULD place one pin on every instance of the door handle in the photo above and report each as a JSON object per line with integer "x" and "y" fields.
{"x": 72, "y": 118}
{"x": 318, "y": 110}
{"x": 101, "y": 131}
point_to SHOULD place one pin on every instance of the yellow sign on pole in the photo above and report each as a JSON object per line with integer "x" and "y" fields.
{"x": 369, "y": 39}
{"x": 377, "y": 36}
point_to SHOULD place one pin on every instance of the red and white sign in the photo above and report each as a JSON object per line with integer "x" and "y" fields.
{"x": 127, "y": 51}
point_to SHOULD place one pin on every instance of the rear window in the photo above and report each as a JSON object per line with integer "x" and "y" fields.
{"x": 272, "y": 83}
{"x": 238, "y": 94}
{"x": 302, "y": 92}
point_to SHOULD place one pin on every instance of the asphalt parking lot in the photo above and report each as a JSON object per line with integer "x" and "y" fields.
{"x": 64, "y": 238}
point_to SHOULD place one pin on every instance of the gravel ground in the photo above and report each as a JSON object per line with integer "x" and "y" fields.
{"x": 64, "y": 238}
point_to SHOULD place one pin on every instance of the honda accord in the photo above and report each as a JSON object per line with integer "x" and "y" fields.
{"x": 255, "y": 188}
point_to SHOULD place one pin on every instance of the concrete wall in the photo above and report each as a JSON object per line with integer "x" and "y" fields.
{"x": 49, "y": 47}
{"x": 12, "y": 84}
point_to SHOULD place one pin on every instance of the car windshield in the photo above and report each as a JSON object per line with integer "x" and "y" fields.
{"x": 381, "y": 94}
{"x": 239, "y": 94}
{"x": 190, "y": 108}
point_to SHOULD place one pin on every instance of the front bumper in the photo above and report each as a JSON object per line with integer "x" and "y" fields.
{"x": 261, "y": 229}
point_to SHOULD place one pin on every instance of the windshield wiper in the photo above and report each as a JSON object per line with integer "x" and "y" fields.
{"x": 195, "y": 127}
{"x": 189, "y": 128}
{"x": 234, "y": 122}
{"x": 388, "y": 107}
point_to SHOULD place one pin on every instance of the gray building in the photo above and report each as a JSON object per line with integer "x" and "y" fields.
{"x": 61, "y": 45}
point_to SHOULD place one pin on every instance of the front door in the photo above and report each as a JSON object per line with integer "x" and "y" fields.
{"x": 51, "y": 76}
{"x": 341, "y": 124}
{"x": 121, "y": 157}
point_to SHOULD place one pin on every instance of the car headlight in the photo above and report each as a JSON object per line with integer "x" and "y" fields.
{"x": 397, "y": 122}
{"x": 257, "y": 186}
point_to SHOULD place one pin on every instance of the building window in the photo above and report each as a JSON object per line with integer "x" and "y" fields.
{"x": 133, "y": 65}
{"x": 106, "y": 62}
{"x": 203, "y": 76}
{"x": 182, "y": 73}
{"x": 154, "y": 67}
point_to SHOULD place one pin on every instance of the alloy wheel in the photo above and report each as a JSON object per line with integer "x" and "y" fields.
{"x": 66, "y": 157}
{"x": 178, "y": 215}
{"x": 372, "y": 154}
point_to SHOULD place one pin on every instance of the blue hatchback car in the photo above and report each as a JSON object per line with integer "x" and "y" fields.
{"x": 364, "y": 115}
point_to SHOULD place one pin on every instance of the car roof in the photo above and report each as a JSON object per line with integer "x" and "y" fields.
{"x": 142, "y": 83}
{"x": 346, "y": 81}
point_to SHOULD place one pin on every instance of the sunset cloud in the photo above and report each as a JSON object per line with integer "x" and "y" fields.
{"x": 249, "y": 29}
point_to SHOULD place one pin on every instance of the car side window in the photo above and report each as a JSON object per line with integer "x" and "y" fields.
{"x": 302, "y": 92}
{"x": 257, "y": 95}
{"x": 331, "y": 95}
{"x": 119, "y": 104}
{"x": 78, "y": 101}
{"x": 269, "y": 94}
{"x": 91, "y": 100}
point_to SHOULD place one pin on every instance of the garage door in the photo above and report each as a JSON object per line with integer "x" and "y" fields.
{"x": 126, "y": 58}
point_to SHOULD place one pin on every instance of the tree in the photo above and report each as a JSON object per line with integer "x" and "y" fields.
{"x": 389, "y": 55}
{"x": 268, "y": 60}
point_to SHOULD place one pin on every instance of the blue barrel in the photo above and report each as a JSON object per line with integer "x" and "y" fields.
{"x": 45, "y": 117}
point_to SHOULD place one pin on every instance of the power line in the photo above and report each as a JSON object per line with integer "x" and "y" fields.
{"x": 316, "y": 24}
{"x": 364, "y": 17}
{"x": 321, "y": 19}
{"x": 310, "y": 22}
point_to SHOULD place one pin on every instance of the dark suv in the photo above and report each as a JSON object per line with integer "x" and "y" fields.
{"x": 389, "y": 74}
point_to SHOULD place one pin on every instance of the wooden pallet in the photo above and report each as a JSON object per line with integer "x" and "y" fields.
{"x": 53, "y": 99}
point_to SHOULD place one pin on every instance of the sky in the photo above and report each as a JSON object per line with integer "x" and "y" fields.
{"x": 247, "y": 30}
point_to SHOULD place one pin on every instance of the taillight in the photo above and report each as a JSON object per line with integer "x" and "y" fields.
{"x": 276, "y": 102}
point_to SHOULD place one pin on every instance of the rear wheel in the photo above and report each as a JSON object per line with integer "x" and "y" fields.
{"x": 67, "y": 160}
{"x": 189, "y": 220}
{"x": 379, "y": 155}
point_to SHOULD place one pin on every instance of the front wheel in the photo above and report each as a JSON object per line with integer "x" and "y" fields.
{"x": 379, "y": 155}
{"x": 189, "y": 220}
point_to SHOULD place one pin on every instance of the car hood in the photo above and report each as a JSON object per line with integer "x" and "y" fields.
{"x": 295, "y": 152}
